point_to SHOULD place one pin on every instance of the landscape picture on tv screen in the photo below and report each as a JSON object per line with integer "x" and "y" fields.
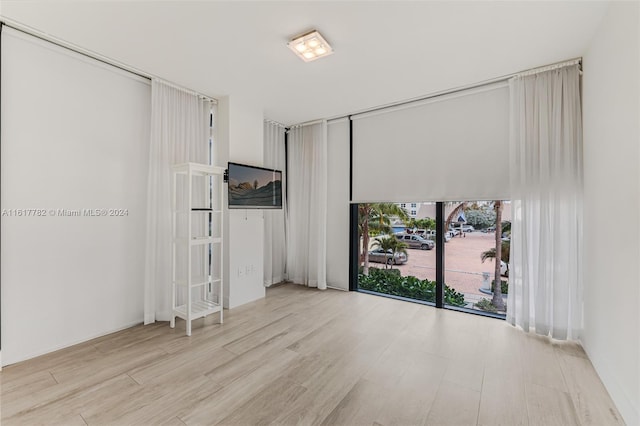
{"x": 254, "y": 187}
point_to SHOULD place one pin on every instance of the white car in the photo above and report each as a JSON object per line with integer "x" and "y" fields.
{"x": 431, "y": 234}
{"x": 465, "y": 228}
{"x": 504, "y": 269}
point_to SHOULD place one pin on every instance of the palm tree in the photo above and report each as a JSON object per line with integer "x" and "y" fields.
{"x": 424, "y": 223}
{"x": 375, "y": 217}
{"x": 390, "y": 243}
{"x": 497, "y": 290}
{"x": 491, "y": 253}
{"x": 506, "y": 228}
{"x": 364, "y": 212}
{"x": 411, "y": 223}
{"x": 384, "y": 211}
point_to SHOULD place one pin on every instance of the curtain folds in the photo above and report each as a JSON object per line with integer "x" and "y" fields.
{"x": 275, "y": 248}
{"x": 180, "y": 133}
{"x": 306, "y": 220}
{"x": 545, "y": 288}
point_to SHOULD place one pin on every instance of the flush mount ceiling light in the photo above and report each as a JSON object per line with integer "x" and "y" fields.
{"x": 310, "y": 46}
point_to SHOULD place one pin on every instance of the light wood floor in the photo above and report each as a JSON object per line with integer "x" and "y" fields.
{"x": 303, "y": 356}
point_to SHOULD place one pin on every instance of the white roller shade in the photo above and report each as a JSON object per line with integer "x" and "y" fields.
{"x": 453, "y": 147}
{"x": 75, "y": 150}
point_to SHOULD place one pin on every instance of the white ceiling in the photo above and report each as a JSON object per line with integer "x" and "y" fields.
{"x": 385, "y": 51}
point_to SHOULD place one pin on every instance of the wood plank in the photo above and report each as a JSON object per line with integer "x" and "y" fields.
{"x": 411, "y": 381}
{"x": 230, "y": 397}
{"x": 304, "y": 356}
{"x": 328, "y": 377}
{"x": 152, "y": 404}
{"x": 543, "y": 367}
{"x": 549, "y": 406}
{"x": 503, "y": 399}
{"x": 586, "y": 391}
{"x": 360, "y": 406}
{"x": 266, "y": 405}
{"x": 454, "y": 405}
{"x": 67, "y": 401}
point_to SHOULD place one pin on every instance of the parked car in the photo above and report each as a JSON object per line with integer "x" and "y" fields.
{"x": 465, "y": 228}
{"x": 431, "y": 235}
{"x": 504, "y": 268}
{"x": 379, "y": 256}
{"x": 415, "y": 241}
{"x": 419, "y": 232}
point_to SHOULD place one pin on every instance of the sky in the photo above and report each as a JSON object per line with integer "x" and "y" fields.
{"x": 247, "y": 174}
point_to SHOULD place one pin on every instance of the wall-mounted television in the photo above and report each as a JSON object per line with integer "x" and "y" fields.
{"x": 252, "y": 187}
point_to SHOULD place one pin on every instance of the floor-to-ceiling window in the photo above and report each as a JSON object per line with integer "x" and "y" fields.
{"x": 412, "y": 166}
{"x": 399, "y": 250}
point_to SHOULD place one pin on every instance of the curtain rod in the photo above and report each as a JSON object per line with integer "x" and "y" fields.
{"x": 503, "y": 78}
{"x": 306, "y": 123}
{"x": 275, "y": 123}
{"x": 4, "y": 21}
{"x": 181, "y": 88}
{"x": 557, "y": 65}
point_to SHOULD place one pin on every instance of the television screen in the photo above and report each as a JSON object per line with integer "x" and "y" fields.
{"x": 253, "y": 187}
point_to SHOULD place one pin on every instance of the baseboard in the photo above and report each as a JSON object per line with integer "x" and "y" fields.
{"x": 337, "y": 288}
{"x": 73, "y": 343}
{"x": 244, "y": 302}
{"x": 163, "y": 316}
{"x": 149, "y": 319}
{"x": 274, "y": 281}
{"x": 624, "y": 403}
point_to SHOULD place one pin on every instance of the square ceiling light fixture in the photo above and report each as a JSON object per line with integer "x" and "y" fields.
{"x": 310, "y": 46}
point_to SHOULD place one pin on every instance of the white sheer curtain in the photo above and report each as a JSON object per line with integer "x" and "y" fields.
{"x": 180, "y": 133}
{"x": 545, "y": 288}
{"x": 307, "y": 213}
{"x": 275, "y": 248}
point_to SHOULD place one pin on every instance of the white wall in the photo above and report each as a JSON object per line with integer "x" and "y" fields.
{"x": 74, "y": 136}
{"x": 612, "y": 207}
{"x": 240, "y": 128}
{"x": 338, "y": 204}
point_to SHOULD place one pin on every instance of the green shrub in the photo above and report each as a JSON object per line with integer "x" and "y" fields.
{"x": 381, "y": 271}
{"x": 391, "y": 282}
{"x": 504, "y": 287}
{"x": 486, "y": 305}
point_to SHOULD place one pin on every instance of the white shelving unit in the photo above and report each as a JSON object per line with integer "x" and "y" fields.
{"x": 196, "y": 204}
